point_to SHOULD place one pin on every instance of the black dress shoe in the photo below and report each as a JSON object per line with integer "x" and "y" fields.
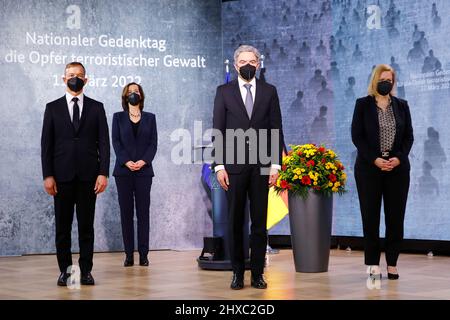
{"x": 87, "y": 279}
{"x": 258, "y": 282}
{"x": 237, "y": 283}
{"x": 143, "y": 262}
{"x": 129, "y": 261}
{"x": 62, "y": 280}
{"x": 393, "y": 276}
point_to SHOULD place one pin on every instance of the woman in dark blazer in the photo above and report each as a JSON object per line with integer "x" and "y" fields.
{"x": 383, "y": 134}
{"x": 135, "y": 140}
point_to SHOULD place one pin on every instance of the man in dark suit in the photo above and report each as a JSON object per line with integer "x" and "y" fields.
{"x": 247, "y": 158}
{"x": 75, "y": 167}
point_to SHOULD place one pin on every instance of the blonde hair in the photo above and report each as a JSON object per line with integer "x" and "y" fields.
{"x": 375, "y": 77}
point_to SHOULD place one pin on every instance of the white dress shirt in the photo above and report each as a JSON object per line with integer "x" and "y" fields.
{"x": 70, "y": 103}
{"x": 243, "y": 91}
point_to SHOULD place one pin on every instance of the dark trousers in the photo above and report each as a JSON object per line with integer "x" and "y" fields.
{"x": 80, "y": 195}
{"x": 374, "y": 185}
{"x": 134, "y": 190}
{"x": 254, "y": 185}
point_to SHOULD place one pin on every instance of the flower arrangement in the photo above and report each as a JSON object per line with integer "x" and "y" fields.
{"x": 313, "y": 167}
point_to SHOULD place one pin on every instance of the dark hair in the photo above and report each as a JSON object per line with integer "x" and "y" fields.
{"x": 125, "y": 96}
{"x": 74, "y": 64}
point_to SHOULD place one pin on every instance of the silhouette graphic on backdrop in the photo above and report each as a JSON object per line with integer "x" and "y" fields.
{"x": 319, "y": 127}
{"x": 350, "y": 92}
{"x": 333, "y": 74}
{"x": 357, "y": 54}
{"x": 321, "y": 50}
{"x": 433, "y": 151}
{"x": 297, "y": 104}
{"x": 315, "y": 83}
{"x": 324, "y": 96}
{"x": 431, "y": 63}
{"x": 428, "y": 185}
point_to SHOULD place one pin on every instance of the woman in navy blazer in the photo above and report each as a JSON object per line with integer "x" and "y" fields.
{"x": 383, "y": 134}
{"x": 134, "y": 138}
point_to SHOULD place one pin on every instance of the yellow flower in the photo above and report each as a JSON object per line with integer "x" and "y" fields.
{"x": 337, "y": 184}
{"x": 295, "y": 177}
{"x": 334, "y": 189}
{"x": 287, "y": 159}
{"x": 330, "y": 184}
{"x": 315, "y": 183}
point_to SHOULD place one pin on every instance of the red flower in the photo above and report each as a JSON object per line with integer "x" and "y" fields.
{"x": 306, "y": 180}
{"x": 322, "y": 149}
{"x": 299, "y": 152}
{"x": 310, "y": 163}
{"x": 323, "y": 160}
{"x": 283, "y": 167}
{"x": 332, "y": 177}
{"x": 284, "y": 184}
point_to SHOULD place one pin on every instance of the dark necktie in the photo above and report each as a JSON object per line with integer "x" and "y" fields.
{"x": 76, "y": 114}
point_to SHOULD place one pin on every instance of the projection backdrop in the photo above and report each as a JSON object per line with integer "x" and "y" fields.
{"x": 118, "y": 43}
{"x": 319, "y": 54}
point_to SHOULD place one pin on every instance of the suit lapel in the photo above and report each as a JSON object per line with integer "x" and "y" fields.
{"x": 65, "y": 111}
{"x": 259, "y": 91}
{"x": 374, "y": 118}
{"x": 142, "y": 122}
{"x": 86, "y": 109}
{"x": 126, "y": 125}
{"x": 238, "y": 98}
{"x": 395, "y": 109}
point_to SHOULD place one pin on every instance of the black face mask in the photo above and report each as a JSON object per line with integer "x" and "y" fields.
{"x": 134, "y": 99}
{"x": 247, "y": 72}
{"x": 75, "y": 84}
{"x": 384, "y": 87}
